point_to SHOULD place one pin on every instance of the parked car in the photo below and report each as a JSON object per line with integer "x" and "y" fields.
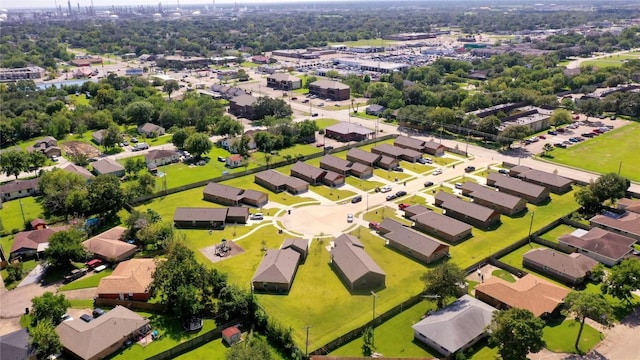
{"x": 222, "y": 159}
{"x": 294, "y": 98}
{"x": 385, "y": 189}
{"x": 398, "y": 169}
{"x": 374, "y": 225}
{"x": 470, "y": 169}
{"x": 321, "y": 104}
{"x": 425, "y": 161}
{"x": 100, "y": 268}
{"x": 134, "y": 140}
{"x": 66, "y": 317}
{"x": 503, "y": 171}
{"x": 86, "y": 317}
{"x": 552, "y": 132}
{"x": 257, "y": 216}
{"x": 97, "y": 312}
{"x": 350, "y": 218}
{"x": 428, "y": 183}
{"x": 587, "y": 135}
{"x": 436, "y": 172}
{"x": 401, "y": 193}
{"x": 403, "y": 206}
{"x": 319, "y": 144}
{"x": 314, "y": 115}
{"x": 356, "y": 199}
{"x": 458, "y": 185}
{"x": 542, "y": 137}
{"x": 305, "y": 101}
{"x": 391, "y": 197}
{"x": 92, "y": 264}
{"x": 560, "y": 145}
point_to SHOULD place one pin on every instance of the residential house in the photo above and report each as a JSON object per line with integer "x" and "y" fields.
{"x": 16, "y": 346}
{"x": 333, "y": 179}
{"x": 441, "y": 226}
{"x": 109, "y": 245}
{"x": 627, "y": 204}
{"x": 571, "y": 269}
{"x": 360, "y": 171}
{"x": 456, "y": 327}
{"x": 278, "y": 182}
{"x": 276, "y": 271}
{"x": 227, "y": 92}
{"x": 388, "y": 162}
{"x": 231, "y": 335}
{"x": 529, "y": 292}
{"x": 345, "y": 132}
{"x": 234, "y": 161}
{"x": 504, "y": 203}
{"x": 474, "y": 214}
{"x": 308, "y": 173}
{"x": 367, "y": 158}
{"x": 607, "y": 247}
{"x": 243, "y": 106}
{"x": 329, "y": 89}
{"x": 73, "y": 168}
{"x": 335, "y": 164}
{"x": 412, "y": 243}
{"x": 237, "y": 215}
{"x": 375, "y": 110}
{"x": 130, "y": 280}
{"x": 232, "y": 196}
{"x": 209, "y": 218}
{"x": 555, "y": 183}
{"x": 533, "y": 193}
{"x": 98, "y": 136}
{"x": 284, "y": 81}
{"x": 627, "y": 224}
{"x": 397, "y": 152}
{"x": 29, "y": 243}
{"x": 17, "y": 189}
{"x": 38, "y": 224}
{"x": 151, "y": 130}
{"x": 354, "y": 267}
{"x": 297, "y": 244}
{"x": 100, "y": 337}
{"x": 434, "y": 148}
{"x": 414, "y": 210}
{"x": 108, "y": 166}
{"x": 155, "y": 158}
{"x": 406, "y": 142}
{"x": 47, "y": 145}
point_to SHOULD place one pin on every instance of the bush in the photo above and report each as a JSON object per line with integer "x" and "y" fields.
{"x": 14, "y": 271}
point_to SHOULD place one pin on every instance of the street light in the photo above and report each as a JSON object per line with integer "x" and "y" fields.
{"x": 374, "y": 306}
{"x": 306, "y": 347}
{"x": 533, "y": 213}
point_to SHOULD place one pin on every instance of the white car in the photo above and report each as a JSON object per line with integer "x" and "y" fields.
{"x": 100, "y": 268}
{"x": 257, "y": 216}
{"x": 436, "y": 172}
{"x": 385, "y": 189}
{"x": 350, "y": 218}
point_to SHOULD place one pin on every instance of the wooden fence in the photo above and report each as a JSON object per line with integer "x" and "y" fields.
{"x": 135, "y": 305}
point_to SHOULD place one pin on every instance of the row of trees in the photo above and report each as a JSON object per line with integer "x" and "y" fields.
{"x": 13, "y": 162}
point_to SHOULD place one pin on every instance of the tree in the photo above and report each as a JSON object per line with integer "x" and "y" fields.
{"x": 14, "y": 271}
{"x": 516, "y": 332}
{"x": 170, "y": 86}
{"x": 443, "y": 281}
{"x": 512, "y": 133}
{"x": 266, "y": 106}
{"x": 44, "y": 339}
{"x": 610, "y": 186}
{"x": 49, "y": 307}
{"x": 134, "y": 166}
{"x": 64, "y": 247}
{"x": 56, "y": 187}
{"x": 198, "y": 144}
{"x": 368, "y": 346}
{"x": 140, "y": 112}
{"x": 13, "y": 162}
{"x": 560, "y": 117}
{"x": 179, "y": 137}
{"x": 584, "y": 305}
{"x": 106, "y": 195}
{"x": 253, "y": 348}
{"x": 587, "y": 199}
{"x": 546, "y": 149}
{"x": 111, "y": 137}
{"x": 36, "y": 160}
{"x": 622, "y": 280}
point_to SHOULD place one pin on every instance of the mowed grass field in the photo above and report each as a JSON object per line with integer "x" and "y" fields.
{"x": 612, "y": 60}
{"x": 604, "y": 153}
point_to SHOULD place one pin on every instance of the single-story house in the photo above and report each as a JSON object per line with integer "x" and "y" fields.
{"x": 388, "y": 162}
{"x": 284, "y": 81}
{"x": 627, "y": 224}
{"x": 73, "y": 168}
{"x": 571, "y": 269}
{"x": 474, "y": 214}
{"x": 631, "y": 205}
{"x": 361, "y": 171}
{"x": 109, "y": 245}
{"x": 98, "y": 136}
{"x": 345, "y": 132}
{"x": 100, "y": 337}
{"x": 308, "y": 173}
{"x": 456, "y": 327}
{"x": 278, "y": 182}
{"x": 357, "y": 155}
{"x": 504, "y": 203}
{"x": 607, "y": 247}
{"x": 375, "y": 109}
{"x": 155, "y": 158}
{"x": 335, "y": 164}
{"x": 151, "y": 130}
{"x": 329, "y": 89}
{"x": 38, "y": 224}
{"x": 108, "y": 166}
{"x": 528, "y": 292}
{"x": 533, "y": 193}
{"x": 333, "y": 179}
{"x": 412, "y": 243}
{"x": 555, "y": 183}
{"x": 441, "y": 226}
{"x": 232, "y": 196}
{"x": 414, "y": 210}
{"x": 397, "y": 152}
{"x": 298, "y": 244}
{"x": 129, "y": 281}
{"x": 209, "y": 218}
{"x": 231, "y": 335}
{"x": 243, "y": 106}
{"x": 406, "y": 142}
{"x": 16, "y": 346}
{"x": 234, "y": 161}
{"x": 25, "y": 243}
{"x": 276, "y": 271}
{"x": 17, "y": 189}
{"x": 47, "y": 145}
{"x": 434, "y": 148}
{"x": 354, "y": 267}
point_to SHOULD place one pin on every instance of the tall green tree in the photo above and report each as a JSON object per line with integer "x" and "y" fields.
{"x": 198, "y": 144}
{"x": 179, "y": 137}
{"x": 583, "y": 305}
{"x": 140, "y": 112}
{"x": 64, "y": 247}
{"x": 368, "y": 345}
{"x": 170, "y": 86}
{"x": 44, "y": 339}
{"x": 516, "y": 332}
{"x": 266, "y": 106}
{"x": 36, "y": 160}
{"x": 622, "y": 280}
{"x": 106, "y": 195}
{"x": 443, "y": 281}
{"x": 560, "y": 117}
{"x": 49, "y": 307}
{"x": 13, "y": 162}
{"x": 56, "y": 187}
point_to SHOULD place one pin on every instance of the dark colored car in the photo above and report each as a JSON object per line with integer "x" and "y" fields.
{"x": 470, "y": 169}
{"x": 503, "y": 171}
{"x": 398, "y": 169}
{"x": 587, "y": 135}
{"x": 428, "y": 183}
{"x": 560, "y": 145}
{"x": 552, "y": 132}
{"x": 401, "y": 193}
{"x": 356, "y": 199}
{"x": 86, "y": 317}
{"x": 97, "y": 312}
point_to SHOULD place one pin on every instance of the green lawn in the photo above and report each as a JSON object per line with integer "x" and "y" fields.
{"x": 79, "y": 100}
{"x": 560, "y": 336}
{"x": 380, "y": 214}
{"x": 504, "y": 275}
{"x": 603, "y": 154}
{"x": 217, "y": 350}
{"x": 553, "y": 234}
{"x": 611, "y": 60}
{"x": 514, "y": 258}
{"x": 326, "y": 122}
{"x": 82, "y": 304}
{"x": 12, "y": 211}
{"x": 364, "y": 115}
{"x": 87, "y": 281}
{"x": 318, "y": 298}
{"x": 394, "y": 338}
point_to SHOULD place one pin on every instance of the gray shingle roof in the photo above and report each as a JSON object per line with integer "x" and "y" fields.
{"x": 469, "y": 209}
{"x": 329, "y": 84}
{"x": 362, "y": 155}
{"x": 417, "y": 242}
{"x": 349, "y": 255}
{"x": 335, "y": 162}
{"x": 107, "y": 166}
{"x": 200, "y": 214}
{"x": 599, "y": 241}
{"x": 542, "y": 177}
{"x": 575, "y": 265}
{"x": 442, "y": 223}
{"x": 277, "y": 266}
{"x": 307, "y": 170}
{"x": 509, "y": 183}
{"x": 491, "y": 195}
{"x": 345, "y": 128}
{"x": 18, "y": 185}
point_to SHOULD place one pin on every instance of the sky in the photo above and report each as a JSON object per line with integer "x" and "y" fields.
{"x": 24, "y": 4}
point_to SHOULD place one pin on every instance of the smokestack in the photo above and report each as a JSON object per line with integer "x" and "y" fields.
{"x": 69, "y": 5}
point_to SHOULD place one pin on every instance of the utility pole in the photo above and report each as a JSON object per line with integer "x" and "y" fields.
{"x": 306, "y": 343}
{"x": 619, "y": 167}
{"x": 533, "y": 213}
{"x": 24, "y": 220}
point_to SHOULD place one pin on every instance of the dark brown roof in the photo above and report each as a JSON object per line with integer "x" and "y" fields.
{"x": 19, "y": 185}
{"x": 277, "y": 266}
{"x": 78, "y": 170}
{"x": 200, "y": 214}
{"x": 632, "y": 205}
{"x": 360, "y": 168}
{"x": 236, "y": 211}
{"x": 335, "y": 162}
{"x": 349, "y": 255}
{"x": 409, "y": 142}
{"x": 611, "y": 245}
{"x": 345, "y": 128}
{"x": 523, "y": 187}
{"x": 388, "y": 225}
{"x": 223, "y": 191}
{"x": 307, "y": 170}
{"x": 332, "y": 176}
{"x": 31, "y": 239}
{"x": 149, "y": 128}
{"x": 396, "y": 151}
{"x": 629, "y": 222}
{"x": 432, "y": 145}
{"x": 279, "y": 179}
{"x": 387, "y": 160}
{"x": 160, "y": 154}
{"x": 469, "y": 209}
{"x": 365, "y": 156}
{"x": 542, "y": 177}
{"x": 441, "y": 223}
{"x": 417, "y": 209}
{"x": 417, "y": 242}
{"x": 244, "y": 100}
{"x": 491, "y": 195}
{"x": 107, "y": 166}
{"x": 252, "y": 194}
{"x": 298, "y": 244}
{"x": 574, "y": 265}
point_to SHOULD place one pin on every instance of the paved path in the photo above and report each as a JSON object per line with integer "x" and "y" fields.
{"x": 33, "y": 277}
